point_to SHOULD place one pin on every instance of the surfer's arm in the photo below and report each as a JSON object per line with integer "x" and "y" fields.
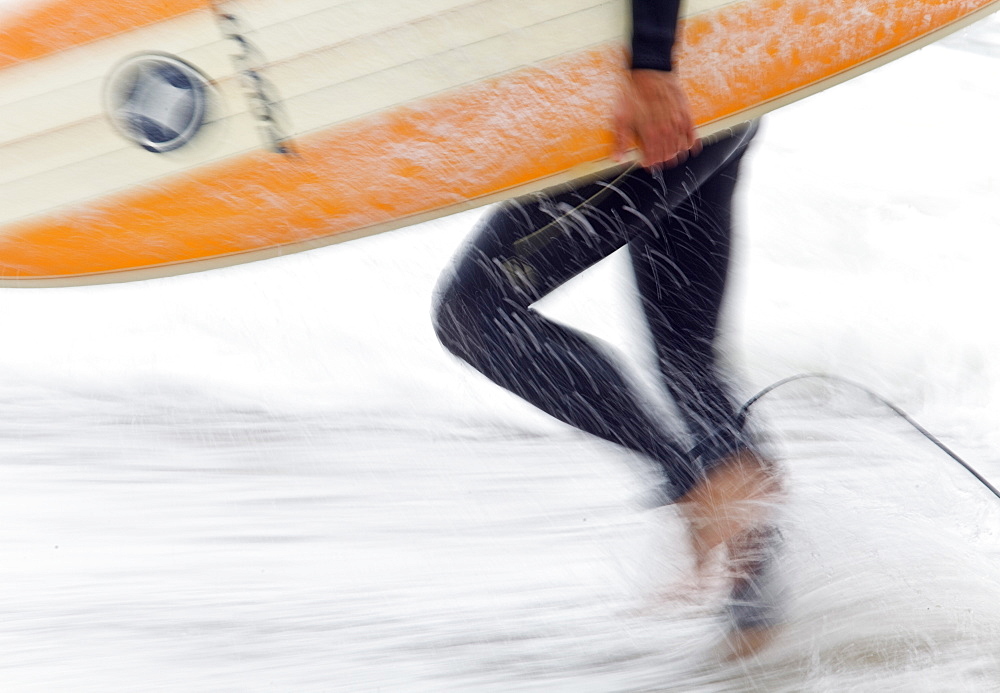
{"x": 654, "y": 28}
{"x": 653, "y": 110}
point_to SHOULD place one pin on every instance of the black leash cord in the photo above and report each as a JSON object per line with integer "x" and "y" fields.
{"x": 745, "y": 409}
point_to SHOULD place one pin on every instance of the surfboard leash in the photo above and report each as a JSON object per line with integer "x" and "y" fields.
{"x": 745, "y": 410}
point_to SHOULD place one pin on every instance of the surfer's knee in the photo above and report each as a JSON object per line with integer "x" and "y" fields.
{"x": 466, "y": 302}
{"x": 453, "y": 322}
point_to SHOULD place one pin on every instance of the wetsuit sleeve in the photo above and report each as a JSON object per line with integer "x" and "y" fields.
{"x": 654, "y": 27}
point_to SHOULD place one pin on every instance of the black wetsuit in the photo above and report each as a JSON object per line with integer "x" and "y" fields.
{"x": 677, "y": 224}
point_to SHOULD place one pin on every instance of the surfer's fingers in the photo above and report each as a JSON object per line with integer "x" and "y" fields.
{"x": 694, "y": 141}
{"x": 666, "y": 143}
{"x": 691, "y": 141}
{"x": 686, "y": 142}
{"x": 653, "y": 137}
{"x": 697, "y": 145}
{"x": 653, "y": 113}
{"x": 663, "y": 149}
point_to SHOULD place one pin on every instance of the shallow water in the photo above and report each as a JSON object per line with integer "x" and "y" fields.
{"x": 240, "y": 550}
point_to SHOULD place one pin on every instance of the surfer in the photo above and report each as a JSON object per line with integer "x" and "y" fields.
{"x": 674, "y": 213}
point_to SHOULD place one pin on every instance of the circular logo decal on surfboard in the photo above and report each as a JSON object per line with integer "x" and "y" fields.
{"x": 157, "y": 101}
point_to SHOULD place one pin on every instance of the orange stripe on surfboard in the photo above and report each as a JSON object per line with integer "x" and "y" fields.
{"x": 814, "y": 41}
{"x": 40, "y": 29}
{"x": 360, "y": 174}
{"x": 441, "y": 151}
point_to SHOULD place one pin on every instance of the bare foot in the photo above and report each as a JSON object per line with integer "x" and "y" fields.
{"x": 735, "y": 507}
{"x": 736, "y": 496}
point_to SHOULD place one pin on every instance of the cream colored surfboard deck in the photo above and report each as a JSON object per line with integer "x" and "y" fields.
{"x": 144, "y": 138}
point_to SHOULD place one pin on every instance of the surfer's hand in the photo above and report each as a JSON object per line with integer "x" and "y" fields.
{"x": 653, "y": 112}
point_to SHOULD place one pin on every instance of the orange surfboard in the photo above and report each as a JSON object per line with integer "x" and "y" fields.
{"x": 144, "y": 138}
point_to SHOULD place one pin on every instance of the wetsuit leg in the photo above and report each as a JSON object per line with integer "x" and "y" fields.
{"x": 526, "y": 248}
{"x": 681, "y": 265}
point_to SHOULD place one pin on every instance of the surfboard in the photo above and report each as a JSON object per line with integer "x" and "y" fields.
{"x": 146, "y": 138}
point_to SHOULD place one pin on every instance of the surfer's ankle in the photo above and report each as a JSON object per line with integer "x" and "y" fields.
{"x": 738, "y": 495}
